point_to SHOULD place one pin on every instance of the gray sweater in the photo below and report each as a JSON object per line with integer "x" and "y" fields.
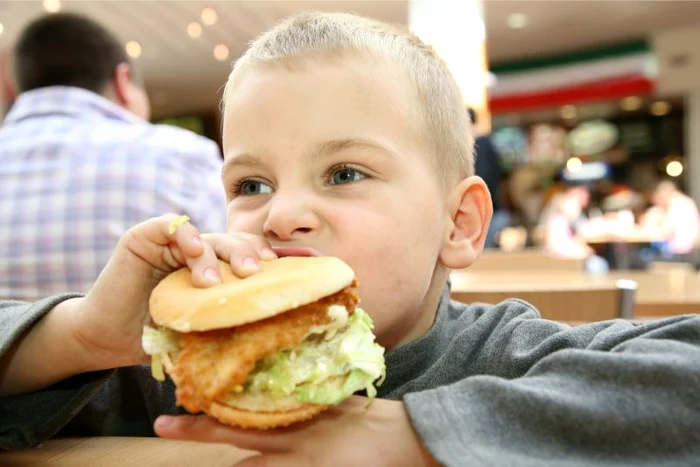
{"x": 486, "y": 386}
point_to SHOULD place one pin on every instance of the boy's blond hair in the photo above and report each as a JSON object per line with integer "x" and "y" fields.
{"x": 313, "y": 35}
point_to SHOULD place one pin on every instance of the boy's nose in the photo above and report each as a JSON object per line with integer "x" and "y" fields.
{"x": 290, "y": 221}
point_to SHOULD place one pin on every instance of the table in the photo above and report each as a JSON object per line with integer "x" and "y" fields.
{"x": 119, "y": 452}
{"x": 664, "y": 293}
{"x": 620, "y": 244}
{"x": 658, "y": 294}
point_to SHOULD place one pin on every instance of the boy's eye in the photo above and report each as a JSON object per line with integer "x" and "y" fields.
{"x": 252, "y": 188}
{"x": 343, "y": 175}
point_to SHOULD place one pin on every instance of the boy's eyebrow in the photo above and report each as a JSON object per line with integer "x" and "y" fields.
{"x": 321, "y": 150}
{"x": 330, "y": 147}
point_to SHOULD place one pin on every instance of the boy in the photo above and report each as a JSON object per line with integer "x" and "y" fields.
{"x": 343, "y": 137}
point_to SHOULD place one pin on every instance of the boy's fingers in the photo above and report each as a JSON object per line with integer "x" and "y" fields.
{"x": 205, "y": 268}
{"x": 205, "y": 429}
{"x": 242, "y": 252}
{"x": 184, "y": 233}
{"x": 199, "y": 256}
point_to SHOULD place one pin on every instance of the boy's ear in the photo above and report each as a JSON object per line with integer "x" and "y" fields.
{"x": 470, "y": 213}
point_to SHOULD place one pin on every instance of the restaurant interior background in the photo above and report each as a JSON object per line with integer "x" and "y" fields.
{"x": 602, "y": 92}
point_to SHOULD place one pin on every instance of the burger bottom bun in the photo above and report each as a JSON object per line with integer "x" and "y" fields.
{"x": 262, "y": 420}
{"x": 261, "y": 402}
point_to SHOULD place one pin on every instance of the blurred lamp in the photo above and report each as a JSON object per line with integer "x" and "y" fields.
{"x": 194, "y": 30}
{"x": 52, "y": 6}
{"x": 631, "y": 103}
{"x": 574, "y": 164}
{"x": 209, "y": 16}
{"x": 221, "y": 52}
{"x": 674, "y": 168}
{"x": 568, "y": 112}
{"x": 660, "y": 108}
{"x": 133, "y": 49}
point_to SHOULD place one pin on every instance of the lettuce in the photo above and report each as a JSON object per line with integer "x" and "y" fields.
{"x": 326, "y": 368}
{"x": 177, "y": 222}
{"x": 158, "y": 343}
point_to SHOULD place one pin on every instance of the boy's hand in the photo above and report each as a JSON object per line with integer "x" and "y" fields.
{"x": 347, "y": 435}
{"x": 110, "y": 320}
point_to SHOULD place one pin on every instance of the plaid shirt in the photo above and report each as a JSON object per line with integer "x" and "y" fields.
{"x": 76, "y": 171}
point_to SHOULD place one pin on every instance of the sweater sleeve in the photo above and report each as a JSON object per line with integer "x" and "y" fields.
{"x": 121, "y": 402}
{"x": 608, "y": 393}
{"x": 28, "y": 419}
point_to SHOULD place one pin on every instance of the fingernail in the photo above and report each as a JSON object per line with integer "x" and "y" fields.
{"x": 196, "y": 241}
{"x": 212, "y": 276}
{"x": 164, "y": 421}
{"x": 250, "y": 264}
{"x": 267, "y": 254}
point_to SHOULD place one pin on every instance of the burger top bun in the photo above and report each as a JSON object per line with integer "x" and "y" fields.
{"x": 282, "y": 285}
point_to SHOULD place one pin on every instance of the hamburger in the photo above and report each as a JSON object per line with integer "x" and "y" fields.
{"x": 266, "y": 351}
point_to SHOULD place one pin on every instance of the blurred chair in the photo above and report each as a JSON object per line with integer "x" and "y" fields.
{"x": 531, "y": 259}
{"x": 600, "y": 302}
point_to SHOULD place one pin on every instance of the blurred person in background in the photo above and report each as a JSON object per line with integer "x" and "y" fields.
{"x": 487, "y": 166}
{"x": 674, "y": 220}
{"x": 80, "y": 163}
{"x": 564, "y": 221}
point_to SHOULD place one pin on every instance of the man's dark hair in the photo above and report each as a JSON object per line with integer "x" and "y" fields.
{"x": 66, "y": 49}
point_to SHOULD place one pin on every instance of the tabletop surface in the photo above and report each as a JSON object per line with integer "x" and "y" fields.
{"x": 118, "y": 452}
{"x": 652, "y": 287}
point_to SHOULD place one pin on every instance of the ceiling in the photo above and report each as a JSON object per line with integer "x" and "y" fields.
{"x": 183, "y": 76}
{"x": 559, "y": 26}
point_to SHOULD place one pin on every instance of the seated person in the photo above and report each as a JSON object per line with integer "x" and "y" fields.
{"x": 80, "y": 163}
{"x": 674, "y": 220}
{"x": 330, "y": 145}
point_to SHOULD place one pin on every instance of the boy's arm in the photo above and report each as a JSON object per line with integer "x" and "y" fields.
{"x": 47, "y": 354}
{"x": 24, "y": 421}
{"x": 598, "y": 394}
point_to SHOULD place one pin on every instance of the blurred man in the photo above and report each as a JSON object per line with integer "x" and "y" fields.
{"x": 674, "y": 220}
{"x": 80, "y": 164}
{"x": 562, "y": 225}
{"x": 487, "y": 166}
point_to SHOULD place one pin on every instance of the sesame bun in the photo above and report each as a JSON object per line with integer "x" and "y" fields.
{"x": 282, "y": 285}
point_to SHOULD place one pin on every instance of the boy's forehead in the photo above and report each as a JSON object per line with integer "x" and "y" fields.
{"x": 335, "y": 97}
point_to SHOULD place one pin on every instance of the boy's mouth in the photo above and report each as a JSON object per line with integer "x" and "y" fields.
{"x": 295, "y": 251}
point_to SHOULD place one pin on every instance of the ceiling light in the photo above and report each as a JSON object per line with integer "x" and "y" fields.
{"x": 574, "y": 164}
{"x": 52, "y": 6}
{"x": 209, "y": 16}
{"x": 221, "y": 52}
{"x": 674, "y": 168}
{"x": 568, "y": 112}
{"x": 2, "y": 28}
{"x": 518, "y": 20}
{"x": 133, "y": 49}
{"x": 631, "y": 103}
{"x": 194, "y": 30}
{"x": 660, "y": 108}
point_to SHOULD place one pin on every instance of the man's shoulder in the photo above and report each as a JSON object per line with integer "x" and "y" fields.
{"x": 177, "y": 138}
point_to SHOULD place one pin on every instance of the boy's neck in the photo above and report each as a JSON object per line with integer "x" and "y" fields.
{"x": 427, "y": 312}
